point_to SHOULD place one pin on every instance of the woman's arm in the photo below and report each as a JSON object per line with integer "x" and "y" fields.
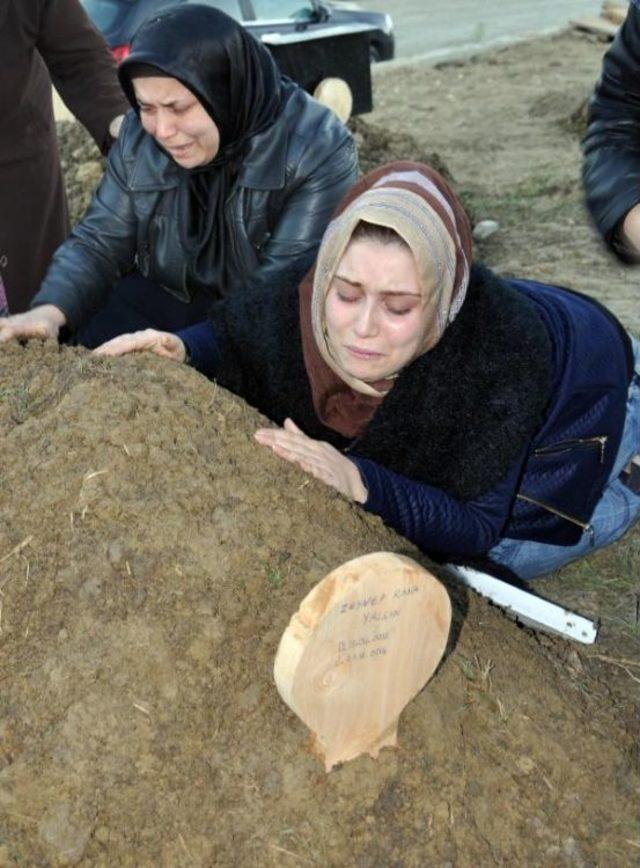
{"x": 99, "y": 250}
{"x": 433, "y": 520}
{"x": 201, "y": 347}
{"x": 81, "y": 67}
{"x": 611, "y": 170}
{"x": 314, "y": 457}
{"x": 196, "y": 345}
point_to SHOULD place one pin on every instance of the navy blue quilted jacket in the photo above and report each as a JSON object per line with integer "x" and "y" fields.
{"x": 548, "y": 485}
{"x": 551, "y": 489}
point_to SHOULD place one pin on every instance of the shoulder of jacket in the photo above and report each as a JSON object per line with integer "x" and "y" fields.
{"x": 312, "y": 127}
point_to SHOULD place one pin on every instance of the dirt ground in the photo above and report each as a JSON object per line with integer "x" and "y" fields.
{"x": 151, "y": 555}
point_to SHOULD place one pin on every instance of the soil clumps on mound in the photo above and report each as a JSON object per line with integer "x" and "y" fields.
{"x": 82, "y": 166}
{"x": 378, "y": 145}
{"x": 151, "y": 554}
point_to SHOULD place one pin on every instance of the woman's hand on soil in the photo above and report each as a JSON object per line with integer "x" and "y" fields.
{"x": 150, "y": 340}
{"x": 41, "y": 322}
{"x": 315, "y": 457}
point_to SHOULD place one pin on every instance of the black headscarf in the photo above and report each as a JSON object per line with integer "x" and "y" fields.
{"x": 236, "y": 80}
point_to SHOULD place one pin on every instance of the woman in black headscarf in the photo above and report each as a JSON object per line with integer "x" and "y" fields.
{"x": 223, "y": 171}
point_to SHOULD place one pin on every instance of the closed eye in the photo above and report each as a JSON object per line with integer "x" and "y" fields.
{"x": 174, "y": 109}
{"x": 345, "y": 290}
{"x": 400, "y": 307}
{"x": 399, "y": 311}
{"x": 348, "y": 297}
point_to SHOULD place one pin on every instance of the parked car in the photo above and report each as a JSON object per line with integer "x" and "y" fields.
{"x": 119, "y": 19}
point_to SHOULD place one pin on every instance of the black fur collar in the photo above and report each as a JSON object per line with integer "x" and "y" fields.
{"x": 456, "y": 418}
{"x": 461, "y": 414}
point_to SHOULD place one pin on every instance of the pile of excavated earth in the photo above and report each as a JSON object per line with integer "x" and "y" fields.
{"x": 152, "y": 554}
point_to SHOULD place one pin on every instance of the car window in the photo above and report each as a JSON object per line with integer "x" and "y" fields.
{"x": 231, "y": 7}
{"x": 277, "y": 10}
{"x": 105, "y": 13}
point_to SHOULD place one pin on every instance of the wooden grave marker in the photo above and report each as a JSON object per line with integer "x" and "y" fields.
{"x": 363, "y": 643}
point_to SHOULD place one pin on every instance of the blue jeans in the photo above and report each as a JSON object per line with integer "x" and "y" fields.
{"x": 617, "y": 510}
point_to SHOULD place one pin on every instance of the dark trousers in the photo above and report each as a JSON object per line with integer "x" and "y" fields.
{"x": 136, "y": 303}
{"x": 33, "y": 222}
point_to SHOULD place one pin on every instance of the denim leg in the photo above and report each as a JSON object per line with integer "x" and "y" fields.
{"x": 617, "y": 510}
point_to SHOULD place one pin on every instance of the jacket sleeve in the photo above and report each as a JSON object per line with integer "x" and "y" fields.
{"x": 434, "y": 521}
{"x": 611, "y": 170}
{"x": 309, "y": 207}
{"x": 203, "y": 347}
{"x": 81, "y": 67}
{"x": 99, "y": 250}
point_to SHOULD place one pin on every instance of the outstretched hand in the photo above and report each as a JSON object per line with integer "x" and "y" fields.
{"x": 42, "y": 322}
{"x": 315, "y": 457}
{"x": 161, "y": 343}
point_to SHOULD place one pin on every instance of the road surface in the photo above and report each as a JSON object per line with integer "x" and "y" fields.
{"x": 451, "y": 26}
{"x": 445, "y": 28}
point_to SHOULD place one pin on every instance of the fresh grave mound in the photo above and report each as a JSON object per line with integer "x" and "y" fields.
{"x": 378, "y": 145}
{"x": 151, "y": 554}
{"x": 82, "y": 166}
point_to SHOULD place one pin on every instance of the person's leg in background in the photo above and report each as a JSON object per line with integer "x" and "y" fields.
{"x": 33, "y": 223}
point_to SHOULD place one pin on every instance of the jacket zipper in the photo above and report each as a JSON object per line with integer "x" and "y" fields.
{"x": 588, "y": 528}
{"x": 566, "y": 445}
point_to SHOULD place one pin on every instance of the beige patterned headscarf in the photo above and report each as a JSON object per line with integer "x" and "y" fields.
{"x": 416, "y": 202}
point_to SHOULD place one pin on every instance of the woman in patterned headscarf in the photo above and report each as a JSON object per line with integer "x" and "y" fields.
{"x": 480, "y": 417}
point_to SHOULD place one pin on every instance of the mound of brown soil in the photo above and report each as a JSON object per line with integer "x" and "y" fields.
{"x": 151, "y": 555}
{"x": 82, "y": 166}
{"x": 378, "y": 145}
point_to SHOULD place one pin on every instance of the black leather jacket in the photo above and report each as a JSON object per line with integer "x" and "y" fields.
{"x": 611, "y": 171}
{"x": 290, "y": 181}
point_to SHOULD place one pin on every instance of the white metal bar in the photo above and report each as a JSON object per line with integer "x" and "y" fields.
{"x": 527, "y": 607}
